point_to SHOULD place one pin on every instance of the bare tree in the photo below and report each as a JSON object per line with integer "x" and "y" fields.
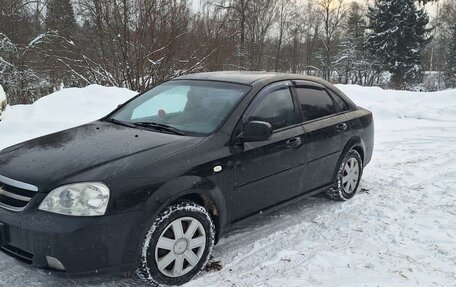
{"x": 253, "y": 20}
{"x": 238, "y": 11}
{"x": 141, "y": 43}
{"x": 260, "y": 22}
{"x": 447, "y": 42}
{"x": 333, "y": 12}
{"x": 136, "y": 43}
{"x": 285, "y": 14}
{"x": 21, "y": 83}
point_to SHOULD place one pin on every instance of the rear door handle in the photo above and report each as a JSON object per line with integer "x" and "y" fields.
{"x": 341, "y": 127}
{"x": 294, "y": 142}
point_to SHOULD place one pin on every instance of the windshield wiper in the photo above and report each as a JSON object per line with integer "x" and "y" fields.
{"x": 160, "y": 127}
{"x": 112, "y": 120}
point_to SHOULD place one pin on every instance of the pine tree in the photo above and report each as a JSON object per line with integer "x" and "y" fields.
{"x": 356, "y": 25}
{"x": 352, "y": 44}
{"x": 60, "y": 30}
{"x": 450, "y": 69}
{"x": 397, "y": 39}
{"x": 60, "y": 18}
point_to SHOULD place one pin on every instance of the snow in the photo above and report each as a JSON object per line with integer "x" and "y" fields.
{"x": 61, "y": 110}
{"x": 36, "y": 40}
{"x": 400, "y": 230}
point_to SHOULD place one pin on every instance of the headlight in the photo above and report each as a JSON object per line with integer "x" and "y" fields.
{"x": 79, "y": 199}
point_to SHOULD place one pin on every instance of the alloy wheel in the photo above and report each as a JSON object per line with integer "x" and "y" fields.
{"x": 350, "y": 176}
{"x": 180, "y": 247}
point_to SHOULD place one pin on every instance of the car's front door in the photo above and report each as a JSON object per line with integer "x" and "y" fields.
{"x": 268, "y": 172}
{"x": 325, "y": 127}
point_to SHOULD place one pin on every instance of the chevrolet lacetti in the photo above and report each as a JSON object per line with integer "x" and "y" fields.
{"x": 151, "y": 187}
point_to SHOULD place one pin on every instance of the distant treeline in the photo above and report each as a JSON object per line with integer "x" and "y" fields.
{"x": 46, "y": 44}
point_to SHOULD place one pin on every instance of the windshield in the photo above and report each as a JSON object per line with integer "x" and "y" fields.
{"x": 196, "y": 107}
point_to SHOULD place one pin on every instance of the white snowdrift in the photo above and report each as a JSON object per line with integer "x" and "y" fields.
{"x": 400, "y": 230}
{"x": 389, "y": 105}
{"x": 61, "y": 110}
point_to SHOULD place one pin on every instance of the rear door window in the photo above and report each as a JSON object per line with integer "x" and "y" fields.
{"x": 315, "y": 103}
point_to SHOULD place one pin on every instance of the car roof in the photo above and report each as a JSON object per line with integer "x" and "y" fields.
{"x": 261, "y": 79}
{"x": 248, "y": 78}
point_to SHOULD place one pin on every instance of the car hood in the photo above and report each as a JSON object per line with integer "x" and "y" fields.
{"x": 50, "y": 160}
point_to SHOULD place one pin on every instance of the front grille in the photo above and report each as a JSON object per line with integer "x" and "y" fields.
{"x": 13, "y": 198}
{"x": 17, "y": 253}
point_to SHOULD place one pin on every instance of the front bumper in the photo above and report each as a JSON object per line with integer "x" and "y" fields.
{"x": 83, "y": 245}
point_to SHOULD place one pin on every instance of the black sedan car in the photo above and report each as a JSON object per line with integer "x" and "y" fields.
{"x": 152, "y": 186}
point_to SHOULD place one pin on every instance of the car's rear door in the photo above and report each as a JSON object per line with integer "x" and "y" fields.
{"x": 268, "y": 172}
{"x": 325, "y": 129}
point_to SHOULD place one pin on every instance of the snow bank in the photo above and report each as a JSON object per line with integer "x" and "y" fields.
{"x": 61, "y": 110}
{"x": 393, "y": 105}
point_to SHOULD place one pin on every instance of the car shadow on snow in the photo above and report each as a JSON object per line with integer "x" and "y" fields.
{"x": 263, "y": 225}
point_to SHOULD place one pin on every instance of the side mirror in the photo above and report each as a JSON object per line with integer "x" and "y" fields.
{"x": 256, "y": 131}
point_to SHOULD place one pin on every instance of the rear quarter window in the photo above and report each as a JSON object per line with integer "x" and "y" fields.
{"x": 341, "y": 104}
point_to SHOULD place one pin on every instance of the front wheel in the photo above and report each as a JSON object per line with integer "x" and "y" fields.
{"x": 177, "y": 246}
{"x": 348, "y": 177}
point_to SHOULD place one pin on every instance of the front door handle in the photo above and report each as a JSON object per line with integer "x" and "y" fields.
{"x": 341, "y": 127}
{"x": 294, "y": 142}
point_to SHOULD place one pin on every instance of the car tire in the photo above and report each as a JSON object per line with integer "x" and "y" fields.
{"x": 177, "y": 245}
{"x": 348, "y": 177}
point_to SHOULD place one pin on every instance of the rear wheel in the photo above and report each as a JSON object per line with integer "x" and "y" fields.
{"x": 348, "y": 177}
{"x": 177, "y": 246}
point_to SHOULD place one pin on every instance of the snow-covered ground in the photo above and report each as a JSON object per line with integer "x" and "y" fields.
{"x": 399, "y": 231}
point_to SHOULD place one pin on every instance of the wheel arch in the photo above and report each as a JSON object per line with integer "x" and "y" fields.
{"x": 355, "y": 143}
{"x": 196, "y": 189}
{"x": 208, "y": 203}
